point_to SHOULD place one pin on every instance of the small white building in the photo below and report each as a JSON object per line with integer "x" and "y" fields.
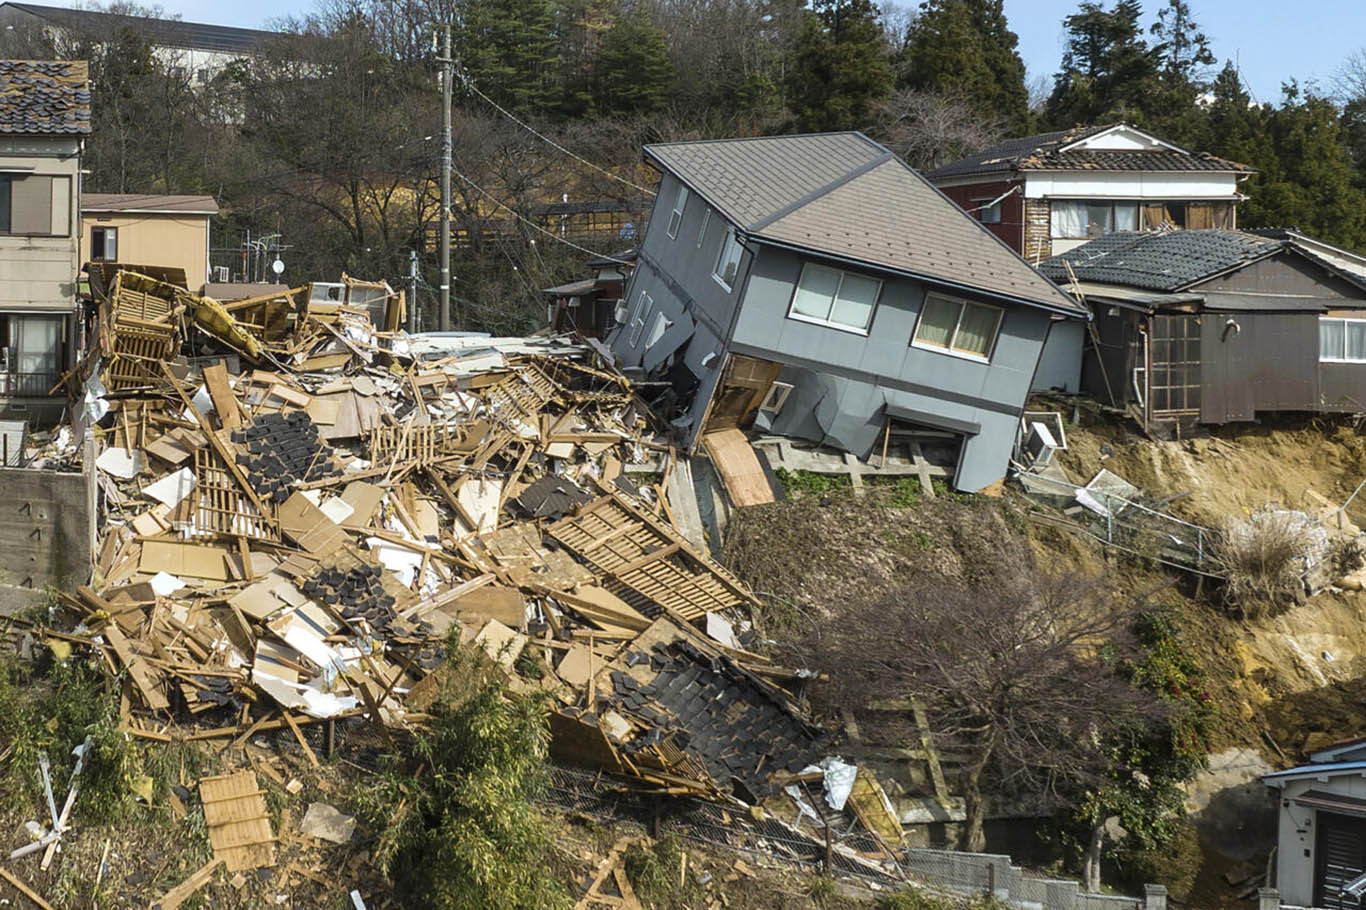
{"x": 1321, "y": 840}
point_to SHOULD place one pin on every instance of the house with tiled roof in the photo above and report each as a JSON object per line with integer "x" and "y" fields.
{"x": 1046, "y": 194}
{"x": 1218, "y": 326}
{"x": 817, "y": 288}
{"x": 44, "y": 119}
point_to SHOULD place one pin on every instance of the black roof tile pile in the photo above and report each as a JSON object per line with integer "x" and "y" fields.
{"x": 551, "y": 497}
{"x": 284, "y": 450}
{"x": 1162, "y": 260}
{"x": 43, "y": 97}
{"x": 720, "y": 716}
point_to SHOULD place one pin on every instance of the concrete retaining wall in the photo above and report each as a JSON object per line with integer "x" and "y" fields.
{"x": 47, "y": 533}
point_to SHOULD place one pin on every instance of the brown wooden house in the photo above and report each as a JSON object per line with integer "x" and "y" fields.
{"x": 1219, "y": 326}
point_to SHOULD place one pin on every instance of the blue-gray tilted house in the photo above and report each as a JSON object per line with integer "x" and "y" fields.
{"x": 817, "y": 287}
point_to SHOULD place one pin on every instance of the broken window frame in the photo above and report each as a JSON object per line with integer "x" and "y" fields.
{"x": 949, "y": 347}
{"x": 676, "y": 216}
{"x": 830, "y": 320}
{"x": 988, "y": 214}
{"x": 644, "y": 303}
{"x": 658, "y": 329}
{"x": 702, "y": 231}
{"x": 731, "y": 252}
{"x": 1344, "y": 354}
{"x": 104, "y": 244}
{"x": 775, "y": 398}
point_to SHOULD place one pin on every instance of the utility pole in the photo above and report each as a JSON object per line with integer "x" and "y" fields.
{"x": 412, "y": 291}
{"x": 446, "y": 67}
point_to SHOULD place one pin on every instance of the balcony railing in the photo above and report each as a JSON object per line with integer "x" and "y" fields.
{"x": 27, "y": 385}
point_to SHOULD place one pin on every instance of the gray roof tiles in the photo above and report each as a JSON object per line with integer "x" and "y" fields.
{"x": 44, "y": 97}
{"x": 845, "y": 196}
{"x": 1160, "y": 261}
{"x": 149, "y": 203}
{"x": 166, "y": 32}
{"x": 1043, "y": 152}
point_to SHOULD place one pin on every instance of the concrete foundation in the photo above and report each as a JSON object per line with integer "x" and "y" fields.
{"x": 47, "y": 532}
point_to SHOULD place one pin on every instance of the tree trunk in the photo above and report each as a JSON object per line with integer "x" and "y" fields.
{"x": 1091, "y": 865}
{"x": 973, "y": 838}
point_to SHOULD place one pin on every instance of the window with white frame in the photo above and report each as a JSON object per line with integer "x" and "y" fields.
{"x": 643, "y": 304}
{"x": 775, "y": 399}
{"x": 1342, "y": 340}
{"x": 835, "y": 298}
{"x": 957, "y": 326}
{"x": 728, "y": 263}
{"x": 104, "y": 244}
{"x": 657, "y": 330}
{"x": 702, "y": 231}
{"x": 676, "y": 216}
{"x": 1079, "y": 220}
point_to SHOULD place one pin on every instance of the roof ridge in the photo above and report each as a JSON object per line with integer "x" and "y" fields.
{"x": 852, "y": 174}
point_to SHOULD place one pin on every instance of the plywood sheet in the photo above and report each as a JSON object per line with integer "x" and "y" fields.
{"x": 184, "y": 559}
{"x": 739, "y": 467}
{"x": 238, "y": 821}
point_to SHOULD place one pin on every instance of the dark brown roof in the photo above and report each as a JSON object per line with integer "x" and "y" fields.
{"x": 151, "y": 204}
{"x": 44, "y": 97}
{"x": 1045, "y": 152}
{"x": 845, "y": 196}
{"x": 201, "y": 36}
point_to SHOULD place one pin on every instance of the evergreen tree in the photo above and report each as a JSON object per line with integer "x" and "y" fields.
{"x": 1108, "y": 70}
{"x": 965, "y": 49}
{"x": 508, "y": 49}
{"x": 840, "y": 66}
{"x": 634, "y": 70}
{"x": 1182, "y": 48}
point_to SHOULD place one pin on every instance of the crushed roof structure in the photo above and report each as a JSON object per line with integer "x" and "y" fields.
{"x": 44, "y": 97}
{"x": 149, "y": 204}
{"x": 845, "y": 196}
{"x": 199, "y": 36}
{"x": 1172, "y": 261}
{"x": 1058, "y": 151}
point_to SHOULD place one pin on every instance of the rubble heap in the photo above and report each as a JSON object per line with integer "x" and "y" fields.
{"x": 298, "y": 508}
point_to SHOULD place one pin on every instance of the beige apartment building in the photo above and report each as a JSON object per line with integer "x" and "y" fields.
{"x": 44, "y": 117}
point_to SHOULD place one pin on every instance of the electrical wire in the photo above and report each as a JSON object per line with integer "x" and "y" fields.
{"x": 469, "y": 84}
{"x": 533, "y": 225}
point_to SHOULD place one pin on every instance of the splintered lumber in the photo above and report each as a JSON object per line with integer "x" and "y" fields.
{"x": 238, "y": 821}
{"x": 739, "y": 467}
{"x": 182, "y": 892}
{"x": 23, "y": 889}
{"x": 216, "y": 380}
{"x": 137, "y": 669}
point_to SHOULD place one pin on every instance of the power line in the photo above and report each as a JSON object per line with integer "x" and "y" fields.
{"x": 546, "y": 139}
{"x": 533, "y": 225}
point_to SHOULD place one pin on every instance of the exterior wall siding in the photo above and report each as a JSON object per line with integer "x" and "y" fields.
{"x": 883, "y": 365}
{"x": 1011, "y": 226}
{"x": 39, "y": 273}
{"x": 1298, "y": 825}
{"x": 178, "y": 241}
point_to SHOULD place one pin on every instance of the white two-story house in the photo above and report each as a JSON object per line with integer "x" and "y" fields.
{"x": 44, "y": 119}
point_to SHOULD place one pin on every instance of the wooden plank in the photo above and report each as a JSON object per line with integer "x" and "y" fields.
{"x": 182, "y": 892}
{"x": 739, "y": 467}
{"x": 220, "y": 392}
{"x": 238, "y": 821}
{"x": 137, "y": 669}
{"x": 24, "y": 889}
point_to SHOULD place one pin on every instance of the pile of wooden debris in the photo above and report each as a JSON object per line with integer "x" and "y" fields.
{"x": 298, "y": 508}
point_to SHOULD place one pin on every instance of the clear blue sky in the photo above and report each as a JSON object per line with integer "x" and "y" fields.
{"x": 1272, "y": 40}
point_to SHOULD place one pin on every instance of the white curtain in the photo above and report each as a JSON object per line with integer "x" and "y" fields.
{"x": 1332, "y": 338}
{"x": 855, "y": 301}
{"x": 816, "y": 291}
{"x": 1126, "y": 216}
{"x": 40, "y": 340}
{"x": 1356, "y": 341}
{"x": 1068, "y": 219}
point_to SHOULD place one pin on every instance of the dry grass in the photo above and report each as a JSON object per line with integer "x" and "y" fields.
{"x": 1265, "y": 557}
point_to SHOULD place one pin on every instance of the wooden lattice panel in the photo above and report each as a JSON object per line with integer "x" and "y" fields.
{"x": 645, "y": 562}
{"x": 522, "y": 395}
{"x": 220, "y": 506}
{"x": 423, "y": 444}
{"x": 238, "y": 821}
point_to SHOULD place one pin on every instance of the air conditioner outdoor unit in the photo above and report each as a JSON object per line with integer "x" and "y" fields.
{"x": 220, "y": 274}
